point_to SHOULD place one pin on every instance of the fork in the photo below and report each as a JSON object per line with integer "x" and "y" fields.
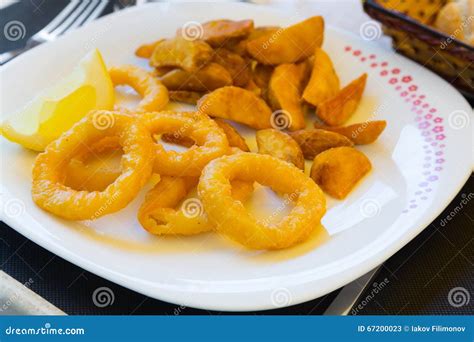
{"x": 74, "y": 15}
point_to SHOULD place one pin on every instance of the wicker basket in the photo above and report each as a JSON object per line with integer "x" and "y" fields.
{"x": 408, "y": 23}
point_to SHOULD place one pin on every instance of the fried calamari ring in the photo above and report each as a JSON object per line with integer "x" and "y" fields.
{"x": 49, "y": 191}
{"x": 210, "y": 142}
{"x": 231, "y": 218}
{"x": 154, "y": 93}
{"x": 159, "y": 214}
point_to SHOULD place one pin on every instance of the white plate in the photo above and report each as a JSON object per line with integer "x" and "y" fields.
{"x": 420, "y": 163}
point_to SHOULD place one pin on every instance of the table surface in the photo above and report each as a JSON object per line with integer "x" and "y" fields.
{"x": 419, "y": 278}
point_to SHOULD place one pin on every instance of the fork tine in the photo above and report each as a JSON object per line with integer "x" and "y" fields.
{"x": 98, "y": 10}
{"x": 70, "y": 19}
{"x": 61, "y": 16}
{"x": 84, "y": 15}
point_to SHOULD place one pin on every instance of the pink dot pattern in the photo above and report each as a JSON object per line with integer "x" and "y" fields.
{"x": 427, "y": 121}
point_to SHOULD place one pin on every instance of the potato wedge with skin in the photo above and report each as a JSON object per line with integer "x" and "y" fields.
{"x": 324, "y": 82}
{"x": 146, "y": 50}
{"x": 208, "y": 78}
{"x": 251, "y": 86}
{"x": 217, "y": 32}
{"x": 338, "y": 109}
{"x": 280, "y": 145}
{"x": 360, "y": 133}
{"x": 234, "y": 137}
{"x": 185, "y": 96}
{"x": 237, "y": 104}
{"x": 181, "y": 53}
{"x": 238, "y": 68}
{"x": 289, "y": 45}
{"x": 338, "y": 170}
{"x": 284, "y": 92}
{"x": 315, "y": 141}
{"x": 240, "y": 46}
{"x": 262, "y": 74}
{"x": 161, "y": 71}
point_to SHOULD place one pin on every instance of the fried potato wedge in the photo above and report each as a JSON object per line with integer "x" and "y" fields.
{"x": 338, "y": 170}
{"x": 288, "y": 45}
{"x": 239, "y": 46}
{"x": 315, "y": 141}
{"x": 234, "y": 137}
{"x": 338, "y": 109}
{"x": 284, "y": 92}
{"x": 261, "y": 75}
{"x": 238, "y": 68}
{"x": 161, "y": 71}
{"x": 251, "y": 86}
{"x": 181, "y": 53}
{"x": 185, "y": 96}
{"x": 262, "y": 31}
{"x": 360, "y": 133}
{"x": 217, "y": 32}
{"x": 210, "y": 77}
{"x": 280, "y": 145}
{"x": 324, "y": 82}
{"x": 237, "y": 104}
{"x": 146, "y": 50}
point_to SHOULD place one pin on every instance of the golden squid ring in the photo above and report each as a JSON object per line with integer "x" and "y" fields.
{"x": 160, "y": 213}
{"x": 210, "y": 142}
{"x": 230, "y": 216}
{"x": 154, "y": 93}
{"x": 49, "y": 191}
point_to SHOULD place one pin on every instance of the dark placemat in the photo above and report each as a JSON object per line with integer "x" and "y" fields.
{"x": 431, "y": 275}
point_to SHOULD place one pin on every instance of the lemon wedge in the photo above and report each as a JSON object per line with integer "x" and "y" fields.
{"x": 57, "y": 108}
